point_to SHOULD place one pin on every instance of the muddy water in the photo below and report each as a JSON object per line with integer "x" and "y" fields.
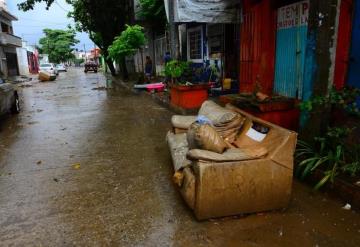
{"x": 86, "y": 166}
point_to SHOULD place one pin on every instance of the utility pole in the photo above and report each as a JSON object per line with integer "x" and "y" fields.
{"x": 95, "y": 55}
{"x": 85, "y": 53}
{"x": 173, "y": 30}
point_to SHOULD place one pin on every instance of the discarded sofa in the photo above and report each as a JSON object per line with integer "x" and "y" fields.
{"x": 254, "y": 173}
{"x": 46, "y": 76}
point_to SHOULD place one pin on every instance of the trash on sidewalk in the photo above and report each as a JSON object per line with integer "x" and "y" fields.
{"x": 252, "y": 173}
{"x": 76, "y": 166}
{"x": 347, "y": 206}
{"x": 19, "y": 79}
{"x": 45, "y": 76}
{"x": 25, "y": 85}
{"x": 152, "y": 87}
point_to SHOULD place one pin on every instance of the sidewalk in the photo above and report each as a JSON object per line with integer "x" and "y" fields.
{"x": 162, "y": 98}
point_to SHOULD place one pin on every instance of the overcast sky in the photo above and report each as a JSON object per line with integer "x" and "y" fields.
{"x": 31, "y": 23}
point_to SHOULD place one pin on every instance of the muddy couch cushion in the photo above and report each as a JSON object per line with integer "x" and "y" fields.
{"x": 178, "y": 147}
{"x": 205, "y": 137}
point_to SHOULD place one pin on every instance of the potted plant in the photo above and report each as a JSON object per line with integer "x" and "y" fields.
{"x": 183, "y": 93}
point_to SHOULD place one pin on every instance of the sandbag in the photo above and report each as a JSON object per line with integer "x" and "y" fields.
{"x": 217, "y": 114}
{"x": 230, "y": 131}
{"x": 205, "y": 137}
{"x": 226, "y": 122}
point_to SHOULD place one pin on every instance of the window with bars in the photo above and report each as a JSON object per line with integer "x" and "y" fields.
{"x": 195, "y": 44}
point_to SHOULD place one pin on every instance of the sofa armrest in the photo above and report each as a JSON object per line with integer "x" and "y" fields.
{"x": 284, "y": 153}
{"x": 182, "y": 122}
{"x": 232, "y": 154}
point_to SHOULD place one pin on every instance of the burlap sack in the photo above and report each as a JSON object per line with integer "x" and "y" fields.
{"x": 205, "y": 137}
{"x": 217, "y": 114}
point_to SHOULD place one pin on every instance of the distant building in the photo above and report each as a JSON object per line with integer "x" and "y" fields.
{"x": 43, "y": 58}
{"x": 28, "y": 58}
{"x": 80, "y": 54}
{"x": 95, "y": 55}
{"x": 8, "y": 43}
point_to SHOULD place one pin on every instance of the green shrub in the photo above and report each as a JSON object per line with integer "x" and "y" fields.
{"x": 128, "y": 43}
{"x": 330, "y": 151}
{"x": 179, "y": 71}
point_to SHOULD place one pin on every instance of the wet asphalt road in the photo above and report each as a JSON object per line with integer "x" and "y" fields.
{"x": 84, "y": 166}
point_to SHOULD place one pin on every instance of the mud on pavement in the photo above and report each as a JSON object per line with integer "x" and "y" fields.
{"x": 84, "y": 167}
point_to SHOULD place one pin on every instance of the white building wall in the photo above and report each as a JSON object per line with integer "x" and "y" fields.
{"x": 3, "y": 4}
{"x": 23, "y": 61}
{"x": 43, "y": 58}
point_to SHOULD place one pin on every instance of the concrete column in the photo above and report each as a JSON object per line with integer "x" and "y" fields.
{"x": 3, "y": 4}
{"x": 323, "y": 22}
{"x": 173, "y": 30}
{"x": 323, "y": 25}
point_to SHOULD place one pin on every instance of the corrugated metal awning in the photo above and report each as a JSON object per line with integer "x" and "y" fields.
{"x": 205, "y": 11}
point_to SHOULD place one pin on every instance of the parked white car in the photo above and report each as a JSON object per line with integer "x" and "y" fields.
{"x": 61, "y": 68}
{"x": 50, "y": 68}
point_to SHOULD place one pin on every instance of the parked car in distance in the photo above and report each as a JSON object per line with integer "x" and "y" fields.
{"x": 50, "y": 68}
{"x": 61, "y": 68}
{"x": 9, "y": 98}
{"x": 91, "y": 66}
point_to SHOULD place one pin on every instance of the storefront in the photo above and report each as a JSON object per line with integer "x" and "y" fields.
{"x": 257, "y": 46}
{"x": 291, "y": 38}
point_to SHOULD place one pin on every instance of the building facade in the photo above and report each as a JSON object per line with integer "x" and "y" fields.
{"x": 8, "y": 43}
{"x": 28, "y": 59}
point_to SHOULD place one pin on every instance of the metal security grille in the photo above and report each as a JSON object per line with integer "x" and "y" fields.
{"x": 195, "y": 41}
{"x": 161, "y": 47}
{"x": 160, "y": 50}
{"x": 249, "y": 48}
{"x": 291, "y": 37}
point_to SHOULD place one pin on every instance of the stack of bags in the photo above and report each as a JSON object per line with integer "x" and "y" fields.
{"x": 212, "y": 131}
{"x": 210, "y": 136}
{"x": 226, "y": 122}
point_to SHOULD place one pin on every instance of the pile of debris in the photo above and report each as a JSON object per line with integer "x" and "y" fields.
{"x": 228, "y": 162}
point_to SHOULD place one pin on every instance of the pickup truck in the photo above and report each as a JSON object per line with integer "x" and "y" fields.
{"x": 91, "y": 66}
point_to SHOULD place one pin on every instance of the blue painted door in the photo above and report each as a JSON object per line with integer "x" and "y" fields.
{"x": 354, "y": 61}
{"x": 291, "y": 37}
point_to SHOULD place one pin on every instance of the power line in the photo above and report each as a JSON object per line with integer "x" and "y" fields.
{"x": 61, "y": 7}
{"x": 45, "y": 25}
{"x": 29, "y": 19}
{"x": 31, "y": 34}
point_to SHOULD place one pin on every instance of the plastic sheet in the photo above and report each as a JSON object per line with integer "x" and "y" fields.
{"x": 206, "y": 11}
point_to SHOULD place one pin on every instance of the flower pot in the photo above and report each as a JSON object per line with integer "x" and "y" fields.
{"x": 189, "y": 97}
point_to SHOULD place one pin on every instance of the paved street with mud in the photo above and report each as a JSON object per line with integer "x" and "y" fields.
{"x": 87, "y": 165}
